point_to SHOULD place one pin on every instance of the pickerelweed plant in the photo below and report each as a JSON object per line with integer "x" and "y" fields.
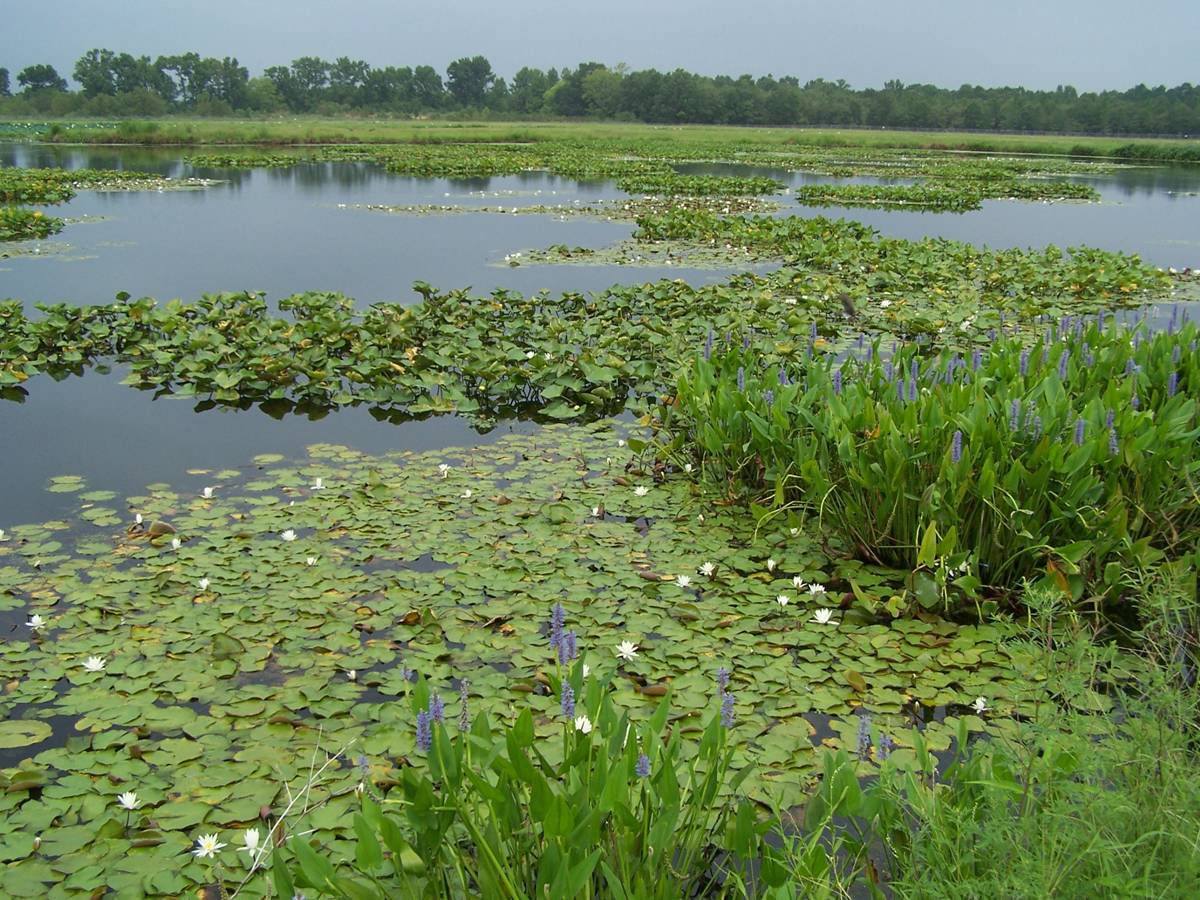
{"x": 615, "y": 808}
{"x": 1066, "y": 460}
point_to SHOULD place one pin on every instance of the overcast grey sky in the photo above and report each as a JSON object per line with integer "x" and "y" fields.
{"x": 1092, "y": 44}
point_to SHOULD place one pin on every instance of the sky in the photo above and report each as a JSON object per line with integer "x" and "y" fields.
{"x": 1091, "y": 44}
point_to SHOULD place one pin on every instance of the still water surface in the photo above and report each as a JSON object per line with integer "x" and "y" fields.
{"x": 284, "y": 231}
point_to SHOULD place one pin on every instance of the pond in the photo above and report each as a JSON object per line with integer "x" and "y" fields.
{"x": 291, "y": 574}
{"x": 302, "y": 228}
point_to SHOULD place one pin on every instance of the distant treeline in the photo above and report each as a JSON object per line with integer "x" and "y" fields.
{"x": 120, "y": 84}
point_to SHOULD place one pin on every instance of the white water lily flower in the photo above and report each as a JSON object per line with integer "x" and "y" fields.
{"x": 207, "y": 493}
{"x": 94, "y": 664}
{"x": 310, "y": 561}
{"x": 980, "y": 705}
{"x": 137, "y": 519}
{"x": 782, "y": 600}
{"x": 823, "y": 616}
{"x": 176, "y": 543}
{"x": 620, "y": 442}
{"x": 793, "y": 531}
{"x": 128, "y": 800}
{"x": 207, "y": 846}
{"x": 3, "y": 535}
{"x": 352, "y": 674}
{"x": 798, "y": 582}
{"x": 771, "y": 564}
{"x": 627, "y": 650}
{"x": 288, "y": 535}
{"x": 318, "y": 484}
{"x": 707, "y": 569}
{"x": 595, "y": 512}
{"x": 203, "y": 584}
{"x": 251, "y": 841}
{"x": 641, "y": 490}
{"x": 700, "y": 518}
{"x": 529, "y": 354}
{"x": 687, "y": 467}
{"x": 816, "y": 590}
{"x": 683, "y": 580}
{"x": 583, "y": 723}
{"x": 36, "y": 622}
{"x": 885, "y": 303}
{"x": 466, "y": 495}
{"x": 443, "y": 469}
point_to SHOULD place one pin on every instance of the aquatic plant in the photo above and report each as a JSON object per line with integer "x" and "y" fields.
{"x": 1007, "y": 467}
{"x": 20, "y": 224}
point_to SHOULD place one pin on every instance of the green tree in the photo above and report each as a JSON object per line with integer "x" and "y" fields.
{"x": 602, "y": 93}
{"x": 428, "y": 92}
{"x": 468, "y": 79}
{"x": 94, "y": 72}
{"x": 41, "y": 77}
{"x": 346, "y": 79}
{"x": 4, "y": 88}
{"x": 528, "y": 90}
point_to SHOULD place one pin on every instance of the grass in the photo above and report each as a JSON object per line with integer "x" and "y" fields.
{"x": 296, "y": 130}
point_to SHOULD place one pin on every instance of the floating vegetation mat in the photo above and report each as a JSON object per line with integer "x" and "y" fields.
{"x": 626, "y": 209}
{"x": 202, "y": 656}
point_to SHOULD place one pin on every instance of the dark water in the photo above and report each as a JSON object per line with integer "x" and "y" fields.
{"x": 283, "y": 231}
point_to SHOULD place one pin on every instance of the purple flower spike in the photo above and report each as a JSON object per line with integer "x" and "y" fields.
{"x": 885, "y": 748}
{"x": 437, "y": 708}
{"x": 1024, "y": 363}
{"x": 1134, "y": 402}
{"x": 643, "y": 766}
{"x": 864, "y": 736}
{"x": 1175, "y": 355}
{"x": 722, "y": 679}
{"x": 1108, "y": 419}
{"x": 912, "y": 390}
{"x": 1172, "y": 384}
{"x": 888, "y": 370}
{"x": 708, "y": 345}
{"x": 812, "y": 332}
{"x": 837, "y": 383}
{"x": 1079, "y": 429}
{"x": 956, "y": 448}
{"x": 976, "y": 359}
{"x": 1014, "y": 414}
{"x": 727, "y": 701}
{"x": 769, "y": 396}
{"x": 568, "y": 701}
{"x": 558, "y": 617}
{"x": 1063, "y": 361}
{"x": 1113, "y": 446}
{"x": 783, "y": 377}
{"x": 1037, "y": 427}
{"x": 464, "y": 713}
{"x": 741, "y": 380}
{"x": 424, "y": 731}
{"x": 900, "y": 390}
{"x": 564, "y": 648}
{"x": 914, "y": 370}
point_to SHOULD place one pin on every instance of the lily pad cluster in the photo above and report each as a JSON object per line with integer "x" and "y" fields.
{"x": 574, "y": 355}
{"x": 945, "y": 196}
{"x": 203, "y": 652}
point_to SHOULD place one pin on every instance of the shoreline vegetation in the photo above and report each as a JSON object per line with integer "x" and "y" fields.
{"x": 297, "y": 131}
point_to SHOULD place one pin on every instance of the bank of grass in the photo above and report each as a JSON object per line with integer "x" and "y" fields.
{"x": 301, "y": 130}
{"x": 1076, "y": 805}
